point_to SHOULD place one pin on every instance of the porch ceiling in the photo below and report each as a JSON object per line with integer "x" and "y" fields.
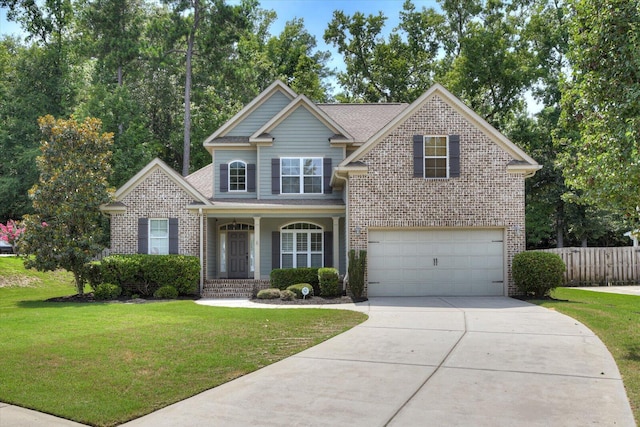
{"x": 251, "y": 207}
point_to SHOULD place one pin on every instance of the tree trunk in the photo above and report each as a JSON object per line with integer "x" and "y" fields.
{"x": 120, "y": 83}
{"x": 79, "y": 283}
{"x": 186, "y": 158}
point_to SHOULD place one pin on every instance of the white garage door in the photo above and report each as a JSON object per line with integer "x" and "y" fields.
{"x": 409, "y": 262}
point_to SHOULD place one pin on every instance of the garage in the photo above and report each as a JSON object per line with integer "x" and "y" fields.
{"x": 451, "y": 262}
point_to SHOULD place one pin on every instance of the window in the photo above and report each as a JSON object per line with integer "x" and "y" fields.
{"x": 159, "y": 236}
{"x": 301, "y": 245}
{"x": 301, "y": 175}
{"x": 436, "y": 159}
{"x": 237, "y": 176}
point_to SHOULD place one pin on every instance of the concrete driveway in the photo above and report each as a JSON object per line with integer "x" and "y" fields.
{"x": 427, "y": 361}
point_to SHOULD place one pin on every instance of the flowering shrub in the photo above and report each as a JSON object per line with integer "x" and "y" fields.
{"x": 11, "y": 232}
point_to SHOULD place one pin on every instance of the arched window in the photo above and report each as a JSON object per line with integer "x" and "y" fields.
{"x": 237, "y": 176}
{"x": 301, "y": 245}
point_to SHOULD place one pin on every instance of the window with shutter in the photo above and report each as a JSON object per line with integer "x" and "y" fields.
{"x": 436, "y": 156}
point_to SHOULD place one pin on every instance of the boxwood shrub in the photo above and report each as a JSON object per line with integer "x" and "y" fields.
{"x": 297, "y": 289}
{"x": 271, "y": 293}
{"x": 282, "y": 278}
{"x": 144, "y": 274}
{"x": 537, "y": 273}
{"x": 106, "y": 291}
{"x": 166, "y": 292}
{"x": 329, "y": 281}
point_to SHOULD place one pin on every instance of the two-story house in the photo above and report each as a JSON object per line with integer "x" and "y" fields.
{"x": 432, "y": 191}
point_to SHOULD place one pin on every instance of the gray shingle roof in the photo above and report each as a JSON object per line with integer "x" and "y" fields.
{"x": 362, "y": 121}
{"x": 202, "y": 180}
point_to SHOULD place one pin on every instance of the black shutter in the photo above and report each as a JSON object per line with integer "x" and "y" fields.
{"x": 418, "y": 156}
{"x": 454, "y": 156}
{"x": 328, "y": 249}
{"x": 275, "y": 249}
{"x": 275, "y": 176}
{"x": 173, "y": 235}
{"x": 143, "y": 236}
{"x": 251, "y": 177}
{"x": 326, "y": 172}
{"x": 224, "y": 178}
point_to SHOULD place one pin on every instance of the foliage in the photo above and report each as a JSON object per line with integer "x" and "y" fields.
{"x": 144, "y": 274}
{"x": 11, "y": 232}
{"x": 166, "y": 292}
{"x": 357, "y": 270}
{"x": 107, "y": 291}
{"x": 65, "y": 232}
{"x": 329, "y": 281}
{"x": 297, "y": 289}
{"x": 601, "y": 105}
{"x": 281, "y": 278}
{"x": 287, "y": 295}
{"x": 92, "y": 273}
{"x": 271, "y": 293}
{"x": 537, "y": 273}
{"x": 127, "y": 360}
{"x": 614, "y": 318}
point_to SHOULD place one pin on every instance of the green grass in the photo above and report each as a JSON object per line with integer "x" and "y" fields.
{"x": 106, "y": 363}
{"x": 616, "y": 320}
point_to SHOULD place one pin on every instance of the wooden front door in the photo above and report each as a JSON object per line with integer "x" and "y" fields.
{"x": 238, "y": 256}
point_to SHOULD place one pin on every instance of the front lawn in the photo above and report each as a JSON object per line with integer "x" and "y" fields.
{"x": 106, "y": 363}
{"x": 616, "y": 320}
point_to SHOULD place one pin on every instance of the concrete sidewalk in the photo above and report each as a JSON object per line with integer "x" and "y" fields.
{"x": 418, "y": 361}
{"x": 625, "y": 290}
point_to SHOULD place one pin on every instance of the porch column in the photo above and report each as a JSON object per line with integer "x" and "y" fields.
{"x": 336, "y": 242}
{"x": 256, "y": 249}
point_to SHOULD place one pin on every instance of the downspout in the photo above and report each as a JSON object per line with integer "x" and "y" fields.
{"x": 201, "y": 250}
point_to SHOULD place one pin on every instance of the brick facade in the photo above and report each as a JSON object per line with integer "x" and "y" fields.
{"x": 157, "y": 196}
{"x": 484, "y": 196}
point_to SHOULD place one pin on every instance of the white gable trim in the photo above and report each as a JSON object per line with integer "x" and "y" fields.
{"x": 155, "y": 164}
{"x": 438, "y": 90}
{"x": 300, "y": 101}
{"x": 276, "y": 86}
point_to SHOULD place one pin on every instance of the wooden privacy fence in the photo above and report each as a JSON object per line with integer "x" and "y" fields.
{"x": 599, "y": 266}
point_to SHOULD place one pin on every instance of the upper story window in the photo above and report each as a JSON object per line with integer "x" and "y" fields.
{"x": 436, "y": 159}
{"x": 301, "y": 175}
{"x": 436, "y": 156}
{"x": 237, "y": 176}
{"x": 159, "y": 236}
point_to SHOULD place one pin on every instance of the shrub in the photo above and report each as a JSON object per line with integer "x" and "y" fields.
{"x": 93, "y": 274}
{"x": 287, "y": 295}
{"x": 272, "y": 293}
{"x": 357, "y": 268}
{"x": 166, "y": 292}
{"x": 282, "y": 278}
{"x": 107, "y": 291}
{"x": 329, "y": 280}
{"x": 297, "y": 289}
{"x": 144, "y": 274}
{"x": 537, "y": 273}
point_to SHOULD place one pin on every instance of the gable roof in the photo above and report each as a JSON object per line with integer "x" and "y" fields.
{"x": 362, "y": 121}
{"x": 202, "y": 180}
{"x": 277, "y": 86}
{"x": 157, "y": 164}
{"x": 524, "y": 162}
{"x": 301, "y": 101}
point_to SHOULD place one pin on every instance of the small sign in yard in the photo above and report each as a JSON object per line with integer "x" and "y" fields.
{"x": 305, "y": 292}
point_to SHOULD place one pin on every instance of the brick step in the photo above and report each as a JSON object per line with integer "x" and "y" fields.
{"x": 232, "y": 288}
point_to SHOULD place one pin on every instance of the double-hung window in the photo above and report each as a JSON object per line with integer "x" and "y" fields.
{"x": 436, "y": 159}
{"x": 301, "y": 175}
{"x": 301, "y": 245}
{"x": 237, "y": 176}
{"x": 159, "y": 236}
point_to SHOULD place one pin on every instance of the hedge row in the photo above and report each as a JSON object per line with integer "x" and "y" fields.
{"x": 145, "y": 274}
{"x": 282, "y": 278}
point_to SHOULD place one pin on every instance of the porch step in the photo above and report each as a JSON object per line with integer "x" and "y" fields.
{"x": 233, "y": 288}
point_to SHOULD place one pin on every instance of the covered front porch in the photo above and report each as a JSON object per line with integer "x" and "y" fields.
{"x": 248, "y": 240}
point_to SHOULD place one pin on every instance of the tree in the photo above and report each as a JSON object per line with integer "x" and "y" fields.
{"x": 64, "y": 232}
{"x": 601, "y": 105}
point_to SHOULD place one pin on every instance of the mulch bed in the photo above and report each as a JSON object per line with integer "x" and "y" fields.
{"x": 311, "y": 301}
{"x": 88, "y": 297}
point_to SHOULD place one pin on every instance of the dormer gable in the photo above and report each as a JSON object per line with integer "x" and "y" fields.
{"x": 259, "y": 111}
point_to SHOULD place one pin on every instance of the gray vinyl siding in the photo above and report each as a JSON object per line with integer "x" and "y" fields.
{"x": 260, "y": 115}
{"x": 300, "y": 135}
{"x": 225, "y": 156}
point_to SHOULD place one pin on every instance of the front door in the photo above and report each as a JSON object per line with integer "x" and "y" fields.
{"x": 238, "y": 254}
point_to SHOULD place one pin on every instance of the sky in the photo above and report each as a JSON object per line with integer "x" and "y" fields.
{"x": 316, "y": 15}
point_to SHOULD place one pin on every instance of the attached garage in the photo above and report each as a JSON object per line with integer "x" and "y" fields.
{"x": 436, "y": 262}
